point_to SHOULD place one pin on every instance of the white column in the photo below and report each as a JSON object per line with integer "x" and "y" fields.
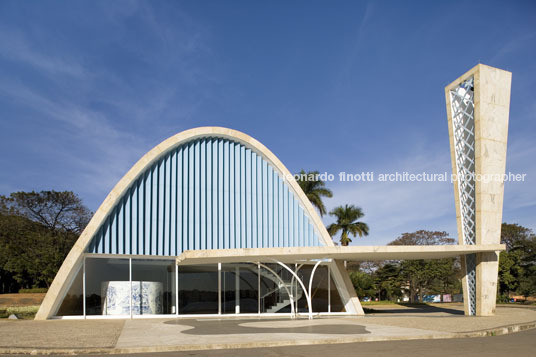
{"x": 329, "y": 289}
{"x": 176, "y": 290}
{"x": 219, "y": 288}
{"x": 130, "y": 280}
{"x": 259, "y": 288}
{"x": 237, "y": 290}
{"x": 84, "y": 286}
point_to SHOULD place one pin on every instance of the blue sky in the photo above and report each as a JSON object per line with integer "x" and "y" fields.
{"x": 87, "y": 87}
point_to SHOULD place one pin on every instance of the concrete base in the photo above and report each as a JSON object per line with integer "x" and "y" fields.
{"x": 487, "y": 270}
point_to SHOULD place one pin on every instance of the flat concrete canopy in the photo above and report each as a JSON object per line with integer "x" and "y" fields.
{"x": 353, "y": 253}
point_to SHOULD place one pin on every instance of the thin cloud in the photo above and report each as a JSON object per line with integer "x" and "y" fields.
{"x": 392, "y": 208}
{"x": 16, "y": 47}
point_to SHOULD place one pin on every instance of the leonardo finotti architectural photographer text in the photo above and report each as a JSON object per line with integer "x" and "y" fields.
{"x": 405, "y": 176}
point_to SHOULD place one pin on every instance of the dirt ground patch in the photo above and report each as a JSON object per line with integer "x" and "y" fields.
{"x": 18, "y": 300}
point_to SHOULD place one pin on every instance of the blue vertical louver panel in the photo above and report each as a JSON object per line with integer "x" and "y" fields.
{"x": 211, "y": 193}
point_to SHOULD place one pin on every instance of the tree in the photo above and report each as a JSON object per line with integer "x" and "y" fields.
{"x": 510, "y": 271}
{"x": 37, "y": 230}
{"x": 513, "y": 234}
{"x": 517, "y": 265}
{"x": 423, "y": 237}
{"x": 387, "y": 281}
{"x": 428, "y": 276}
{"x": 59, "y": 211}
{"x": 347, "y": 223}
{"x": 314, "y": 188}
{"x": 527, "y": 281}
{"x": 363, "y": 283}
{"x": 31, "y": 252}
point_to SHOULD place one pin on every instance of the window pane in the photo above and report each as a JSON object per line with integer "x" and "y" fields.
{"x": 228, "y": 280}
{"x": 319, "y": 288}
{"x": 107, "y": 286}
{"x": 72, "y": 304}
{"x": 247, "y": 288}
{"x": 153, "y": 287}
{"x": 275, "y": 288}
{"x": 336, "y": 301}
{"x": 198, "y": 289}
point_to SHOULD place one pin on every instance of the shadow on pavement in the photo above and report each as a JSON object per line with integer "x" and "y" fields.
{"x": 226, "y": 327}
{"x": 413, "y": 309}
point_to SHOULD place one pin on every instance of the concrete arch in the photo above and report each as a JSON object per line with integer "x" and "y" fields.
{"x": 73, "y": 260}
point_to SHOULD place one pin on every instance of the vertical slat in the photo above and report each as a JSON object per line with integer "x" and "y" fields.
{"x": 202, "y": 197}
{"x": 232, "y": 183}
{"x": 264, "y": 204}
{"x": 254, "y": 207}
{"x": 209, "y": 194}
{"x": 215, "y": 194}
{"x": 237, "y": 190}
{"x": 147, "y": 212}
{"x": 191, "y": 196}
{"x": 186, "y": 195}
{"x": 172, "y": 230}
{"x": 275, "y": 207}
{"x": 144, "y": 194}
{"x": 248, "y": 213}
{"x": 126, "y": 222}
{"x": 270, "y": 202}
{"x": 243, "y": 179}
{"x": 295, "y": 239}
{"x": 134, "y": 223}
{"x": 290, "y": 219}
{"x": 225, "y": 171}
{"x": 197, "y": 193}
{"x": 280, "y": 211}
{"x": 300, "y": 227}
{"x": 259, "y": 203}
{"x": 221, "y": 195}
{"x": 154, "y": 209}
{"x": 100, "y": 246}
{"x": 161, "y": 213}
{"x": 180, "y": 195}
{"x": 285, "y": 216}
{"x": 183, "y": 173}
{"x": 111, "y": 246}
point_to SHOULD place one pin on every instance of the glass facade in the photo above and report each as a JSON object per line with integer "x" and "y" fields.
{"x": 107, "y": 286}
{"x": 198, "y": 289}
{"x": 153, "y": 287}
{"x": 73, "y": 303}
{"x": 319, "y": 288}
{"x": 141, "y": 286}
{"x": 336, "y": 304}
{"x": 239, "y": 288}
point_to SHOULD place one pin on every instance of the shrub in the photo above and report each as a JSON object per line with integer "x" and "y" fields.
{"x": 33, "y": 290}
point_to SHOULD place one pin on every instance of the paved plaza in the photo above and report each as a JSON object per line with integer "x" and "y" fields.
{"x": 388, "y": 323}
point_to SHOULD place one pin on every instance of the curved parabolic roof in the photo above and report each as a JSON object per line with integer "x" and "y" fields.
{"x": 204, "y": 188}
{"x": 206, "y": 192}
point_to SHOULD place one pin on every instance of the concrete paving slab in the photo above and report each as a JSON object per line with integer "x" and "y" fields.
{"x": 63, "y": 334}
{"x": 171, "y": 334}
{"x": 201, "y": 334}
{"x": 449, "y": 319}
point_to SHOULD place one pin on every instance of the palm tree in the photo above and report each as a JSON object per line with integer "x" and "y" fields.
{"x": 314, "y": 189}
{"x": 347, "y": 217}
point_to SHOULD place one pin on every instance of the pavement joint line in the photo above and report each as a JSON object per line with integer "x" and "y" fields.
{"x": 503, "y": 330}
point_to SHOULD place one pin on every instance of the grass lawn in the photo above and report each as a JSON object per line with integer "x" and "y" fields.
{"x": 22, "y": 312}
{"x": 388, "y": 302}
